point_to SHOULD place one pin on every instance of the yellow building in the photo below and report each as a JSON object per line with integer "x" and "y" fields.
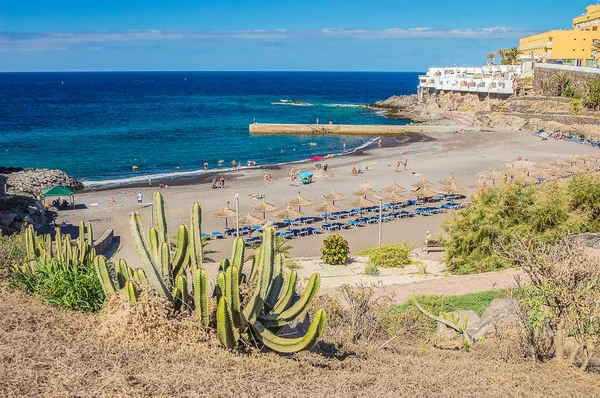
{"x": 569, "y": 47}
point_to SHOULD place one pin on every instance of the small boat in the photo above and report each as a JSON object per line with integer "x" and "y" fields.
{"x": 312, "y": 144}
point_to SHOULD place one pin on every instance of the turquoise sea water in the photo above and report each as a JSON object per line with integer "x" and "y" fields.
{"x": 96, "y": 126}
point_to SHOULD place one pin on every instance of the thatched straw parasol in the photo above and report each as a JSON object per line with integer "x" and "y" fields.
{"x": 479, "y": 185}
{"x": 449, "y": 180}
{"x": 560, "y": 163}
{"x": 300, "y": 202}
{"x": 424, "y": 193}
{"x": 453, "y": 188}
{"x": 544, "y": 165}
{"x": 326, "y": 208}
{"x": 263, "y": 207}
{"x": 365, "y": 191}
{"x": 423, "y": 183}
{"x": 362, "y": 202}
{"x": 250, "y": 220}
{"x": 333, "y": 196}
{"x": 289, "y": 214}
{"x": 574, "y": 160}
{"x": 395, "y": 188}
{"x": 492, "y": 175}
{"x": 225, "y": 213}
{"x": 394, "y": 197}
{"x": 587, "y": 158}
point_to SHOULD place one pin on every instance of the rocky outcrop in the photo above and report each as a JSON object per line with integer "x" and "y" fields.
{"x": 514, "y": 113}
{"x": 17, "y": 212}
{"x": 30, "y": 182}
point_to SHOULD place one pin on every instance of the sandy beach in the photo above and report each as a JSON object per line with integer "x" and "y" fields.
{"x": 434, "y": 157}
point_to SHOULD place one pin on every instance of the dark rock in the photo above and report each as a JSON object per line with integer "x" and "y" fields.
{"x": 7, "y": 218}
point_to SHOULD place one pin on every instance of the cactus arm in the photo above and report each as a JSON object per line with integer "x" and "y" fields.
{"x": 154, "y": 246}
{"x": 160, "y": 218}
{"x": 452, "y": 323}
{"x": 68, "y": 249}
{"x": 256, "y": 263}
{"x": 232, "y": 294}
{"x": 152, "y": 273}
{"x": 181, "y": 253}
{"x": 121, "y": 271}
{"x": 312, "y": 288}
{"x": 196, "y": 254}
{"x": 224, "y": 265}
{"x": 276, "y": 282}
{"x": 48, "y": 250}
{"x": 59, "y": 244}
{"x": 220, "y": 286}
{"x": 104, "y": 275}
{"x": 90, "y": 236}
{"x": 140, "y": 276}
{"x": 182, "y": 291}
{"x": 200, "y": 285}
{"x": 165, "y": 264}
{"x": 81, "y": 238}
{"x": 283, "y": 345}
{"x": 237, "y": 256}
{"x": 288, "y": 292}
{"x": 131, "y": 291}
{"x": 257, "y": 301}
{"x": 225, "y": 329}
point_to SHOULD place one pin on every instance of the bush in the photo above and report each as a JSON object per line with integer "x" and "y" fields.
{"x": 389, "y": 255}
{"x": 371, "y": 269}
{"x": 501, "y": 214}
{"x": 335, "y": 250}
{"x": 12, "y": 251}
{"x": 575, "y": 106}
{"x": 68, "y": 287}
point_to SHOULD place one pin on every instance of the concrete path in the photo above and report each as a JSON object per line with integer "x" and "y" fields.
{"x": 429, "y": 277}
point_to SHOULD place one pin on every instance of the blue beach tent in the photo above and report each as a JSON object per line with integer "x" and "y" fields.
{"x": 305, "y": 177}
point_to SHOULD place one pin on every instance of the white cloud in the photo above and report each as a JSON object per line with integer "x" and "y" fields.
{"x": 52, "y": 41}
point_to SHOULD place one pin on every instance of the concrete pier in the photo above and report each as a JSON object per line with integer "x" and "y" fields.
{"x": 348, "y": 129}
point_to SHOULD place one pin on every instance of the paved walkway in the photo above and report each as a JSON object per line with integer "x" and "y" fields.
{"x": 400, "y": 284}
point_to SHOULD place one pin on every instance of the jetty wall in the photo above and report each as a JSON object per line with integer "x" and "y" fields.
{"x": 345, "y": 129}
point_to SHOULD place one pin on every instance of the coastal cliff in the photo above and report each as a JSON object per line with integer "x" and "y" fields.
{"x": 514, "y": 113}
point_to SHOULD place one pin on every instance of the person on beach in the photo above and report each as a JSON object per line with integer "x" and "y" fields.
{"x": 140, "y": 198}
{"x": 233, "y": 163}
{"x": 379, "y": 143}
{"x": 427, "y": 237}
{"x": 134, "y": 168}
{"x": 354, "y": 171}
{"x": 405, "y": 163}
{"x": 205, "y": 165}
{"x": 397, "y": 166}
{"x": 214, "y": 182}
{"x": 344, "y": 149}
{"x": 292, "y": 174}
{"x": 112, "y": 201}
{"x": 325, "y": 167}
{"x": 149, "y": 181}
{"x": 222, "y": 182}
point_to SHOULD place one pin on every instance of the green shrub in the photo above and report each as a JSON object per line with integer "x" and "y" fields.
{"x": 291, "y": 264}
{"x": 584, "y": 199}
{"x": 335, "y": 250}
{"x": 389, "y": 255}
{"x": 69, "y": 287}
{"x": 575, "y": 106}
{"x": 12, "y": 250}
{"x": 371, "y": 269}
{"x": 500, "y": 214}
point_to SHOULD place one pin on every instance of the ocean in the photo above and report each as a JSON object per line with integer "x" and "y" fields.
{"x": 97, "y": 125}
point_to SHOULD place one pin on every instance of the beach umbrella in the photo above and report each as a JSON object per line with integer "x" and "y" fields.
{"x": 525, "y": 165}
{"x": 300, "y": 201}
{"x": 448, "y": 180}
{"x": 362, "y": 202}
{"x": 560, "y": 163}
{"x": 326, "y": 208}
{"x": 493, "y": 175}
{"x": 586, "y": 158}
{"x": 575, "y": 169}
{"x": 263, "y": 207}
{"x": 479, "y": 185}
{"x": 425, "y": 192}
{"x": 225, "y": 213}
{"x": 289, "y": 214}
{"x": 544, "y": 165}
{"x": 589, "y": 166}
{"x": 453, "y": 188}
{"x": 394, "y": 197}
{"x": 395, "y": 188}
{"x": 250, "y": 220}
{"x": 365, "y": 191}
{"x": 333, "y": 196}
{"x": 423, "y": 183}
{"x": 526, "y": 179}
{"x": 573, "y": 160}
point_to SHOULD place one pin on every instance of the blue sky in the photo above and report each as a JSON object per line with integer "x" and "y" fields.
{"x": 375, "y": 35}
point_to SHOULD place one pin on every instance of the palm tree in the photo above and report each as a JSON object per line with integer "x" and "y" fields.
{"x": 491, "y": 57}
{"x": 512, "y": 55}
{"x": 502, "y": 54}
{"x": 596, "y": 45}
{"x": 561, "y": 82}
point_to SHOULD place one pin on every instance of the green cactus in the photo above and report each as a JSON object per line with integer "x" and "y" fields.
{"x": 104, "y": 275}
{"x": 200, "y": 287}
{"x": 124, "y": 273}
{"x": 270, "y": 293}
{"x": 131, "y": 292}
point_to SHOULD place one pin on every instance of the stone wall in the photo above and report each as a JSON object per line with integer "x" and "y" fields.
{"x": 579, "y": 76}
{"x": 104, "y": 242}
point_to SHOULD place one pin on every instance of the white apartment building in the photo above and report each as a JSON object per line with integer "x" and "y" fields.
{"x": 496, "y": 80}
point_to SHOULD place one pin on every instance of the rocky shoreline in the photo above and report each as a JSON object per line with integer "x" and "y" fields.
{"x": 529, "y": 113}
{"x": 22, "y": 204}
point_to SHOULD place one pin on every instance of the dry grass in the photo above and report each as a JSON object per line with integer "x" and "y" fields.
{"x": 121, "y": 352}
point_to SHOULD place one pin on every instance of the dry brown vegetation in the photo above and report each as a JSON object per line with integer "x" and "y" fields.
{"x": 139, "y": 352}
